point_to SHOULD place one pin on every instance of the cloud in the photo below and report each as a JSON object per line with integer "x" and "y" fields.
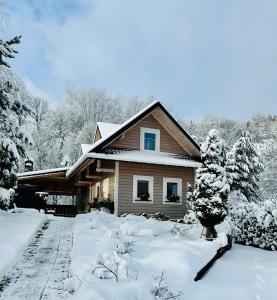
{"x": 34, "y": 89}
{"x": 203, "y": 57}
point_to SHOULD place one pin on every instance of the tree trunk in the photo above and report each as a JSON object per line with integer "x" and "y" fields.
{"x": 210, "y": 233}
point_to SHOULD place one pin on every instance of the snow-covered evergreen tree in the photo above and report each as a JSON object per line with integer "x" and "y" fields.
{"x": 211, "y": 188}
{"x": 190, "y": 217}
{"x": 13, "y": 139}
{"x": 244, "y": 166}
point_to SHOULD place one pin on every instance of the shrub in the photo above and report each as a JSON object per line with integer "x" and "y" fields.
{"x": 255, "y": 224}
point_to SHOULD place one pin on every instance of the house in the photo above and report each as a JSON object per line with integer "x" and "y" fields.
{"x": 142, "y": 165}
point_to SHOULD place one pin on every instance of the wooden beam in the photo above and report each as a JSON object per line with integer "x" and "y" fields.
{"x": 86, "y": 164}
{"x": 105, "y": 170}
{"x": 83, "y": 182}
{"x": 98, "y": 163}
{"x": 93, "y": 177}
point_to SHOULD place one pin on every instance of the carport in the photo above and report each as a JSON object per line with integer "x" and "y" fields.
{"x": 53, "y": 182}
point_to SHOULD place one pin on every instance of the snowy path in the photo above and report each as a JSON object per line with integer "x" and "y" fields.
{"x": 243, "y": 273}
{"x": 45, "y": 264}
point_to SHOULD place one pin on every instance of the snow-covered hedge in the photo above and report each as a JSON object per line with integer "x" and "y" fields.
{"x": 4, "y": 198}
{"x": 255, "y": 224}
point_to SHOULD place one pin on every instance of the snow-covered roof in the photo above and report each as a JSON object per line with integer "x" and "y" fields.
{"x": 159, "y": 158}
{"x": 119, "y": 127}
{"x": 85, "y": 147}
{"x": 42, "y": 172}
{"x": 106, "y": 128}
{"x": 117, "y": 130}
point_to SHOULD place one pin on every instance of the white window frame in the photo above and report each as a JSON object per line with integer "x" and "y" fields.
{"x": 144, "y": 130}
{"x": 179, "y": 189}
{"x": 150, "y": 179}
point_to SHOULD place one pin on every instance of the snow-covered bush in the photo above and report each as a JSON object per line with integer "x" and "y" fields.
{"x": 190, "y": 218}
{"x": 157, "y": 216}
{"x": 162, "y": 290}
{"x": 244, "y": 166}
{"x": 4, "y": 198}
{"x": 253, "y": 224}
{"x": 211, "y": 187}
{"x": 179, "y": 229}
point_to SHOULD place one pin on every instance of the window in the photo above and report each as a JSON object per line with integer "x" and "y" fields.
{"x": 172, "y": 190}
{"x": 143, "y": 189}
{"x": 149, "y": 139}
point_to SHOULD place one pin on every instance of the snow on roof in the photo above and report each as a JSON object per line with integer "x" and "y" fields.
{"x": 121, "y": 126}
{"x": 85, "y": 147}
{"x": 42, "y": 172}
{"x": 106, "y": 128}
{"x": 159, "y": 158}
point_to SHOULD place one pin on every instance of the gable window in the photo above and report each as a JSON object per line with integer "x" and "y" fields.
{"x": 172, "y": 190}
{"x": 149, "y": 139}
{"x": 143, "y": 189}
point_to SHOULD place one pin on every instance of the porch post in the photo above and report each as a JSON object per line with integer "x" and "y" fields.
{"x": 116, "y": 182}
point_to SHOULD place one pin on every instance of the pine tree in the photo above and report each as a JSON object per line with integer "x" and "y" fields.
{"x": 190, "y": 197}
{"x": 13, "y": 139}
{"x": 190, "y": 217}
{"x": 244, "y": 166}
{"x": 211, "y": 188}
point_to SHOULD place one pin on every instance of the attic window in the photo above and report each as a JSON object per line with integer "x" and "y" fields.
{"x": 149, "y": 139}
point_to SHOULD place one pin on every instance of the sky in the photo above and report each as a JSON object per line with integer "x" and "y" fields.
{"x": 201, "y": 57}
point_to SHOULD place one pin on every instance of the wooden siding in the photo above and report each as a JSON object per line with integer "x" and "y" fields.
{"x": 175, "y": 132}
{"x": 125, "y": 188}
{"x": 131, "y": 138}
{"x": 97, "y": 135}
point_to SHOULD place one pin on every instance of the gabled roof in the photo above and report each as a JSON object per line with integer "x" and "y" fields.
{"x": 117, "y": 131}
{"x": 106, "y": 128}
{"x": 45, "y": 172}
{"x": 85, "y": 148}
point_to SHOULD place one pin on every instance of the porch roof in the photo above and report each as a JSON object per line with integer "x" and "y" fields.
{"x": 46, "y": 172}
{"x": 159, "y": 158}
{"x": 52, "y": 181}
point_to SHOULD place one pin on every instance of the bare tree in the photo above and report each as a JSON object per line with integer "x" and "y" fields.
{"x": 40, "y": 111}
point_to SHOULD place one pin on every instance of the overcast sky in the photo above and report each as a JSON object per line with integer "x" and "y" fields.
{"x": 202, "y": 57}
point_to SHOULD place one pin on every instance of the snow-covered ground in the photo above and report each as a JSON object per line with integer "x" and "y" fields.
{"x": 124, "y": 258}
{"x": 243, "y": 273}
{"x": 16, "y": 231}
{"x": 42, "y": 269}
{"x": 130, "y": 258}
